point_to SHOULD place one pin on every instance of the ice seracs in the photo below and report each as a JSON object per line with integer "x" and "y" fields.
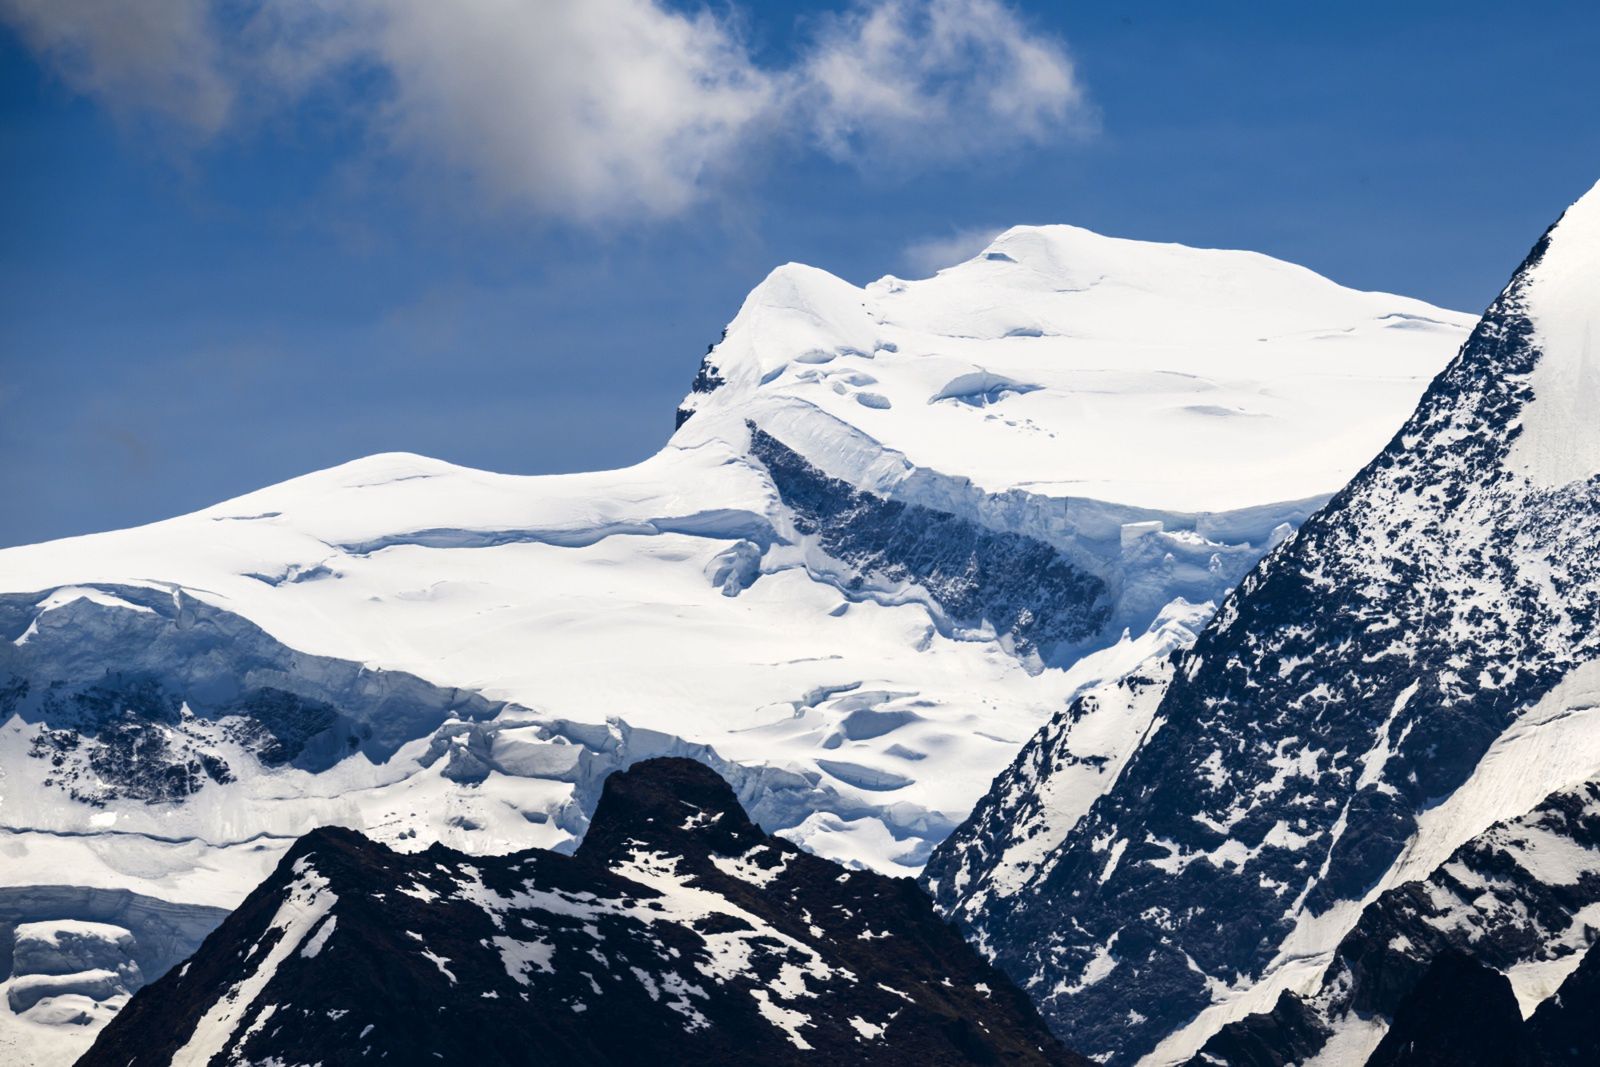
{"x": 75, "y": 956}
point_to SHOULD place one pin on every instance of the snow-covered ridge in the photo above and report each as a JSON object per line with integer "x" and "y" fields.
{"x": 1414, "y": 666}
{"x": 824, "y": 584}
{"x": 1068, "y": 364}
{"x": 1559, "y": 441}
{"x": 678, "y": 596}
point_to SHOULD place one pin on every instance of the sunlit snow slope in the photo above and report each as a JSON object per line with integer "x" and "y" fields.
{"x": 896, "y": 529}
{"x": 1397, "y": 706}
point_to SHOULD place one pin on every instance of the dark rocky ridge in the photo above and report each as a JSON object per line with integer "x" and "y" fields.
{"x": 678, "y": 933}
{"x": 1353, "y": 680}
{"x": 1289, "y": 1033}
{"x": 1462, "y": 1013}
{"x": 707, "y": 378}
{"x": 1486, "y": 901}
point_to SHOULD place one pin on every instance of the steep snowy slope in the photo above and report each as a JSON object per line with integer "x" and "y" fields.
{"x": 896, "y": 530}
{"x": 678, "y": 933}
{"x": 1458, "y": 1012}
{"x": 1415, "y": 665}
{"x": 1521, "y": 899}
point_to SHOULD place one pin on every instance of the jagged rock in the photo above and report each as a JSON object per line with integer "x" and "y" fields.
{"x": 1460, "y": 1014}
{"x": 679, "y": 932}
{"x": 1289, "y": 1033}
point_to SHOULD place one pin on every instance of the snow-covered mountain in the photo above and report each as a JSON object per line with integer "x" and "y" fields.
{"x": 1415, "y": 666}
{"x": 897, "y": 528}
{"x": 679, "y": 932}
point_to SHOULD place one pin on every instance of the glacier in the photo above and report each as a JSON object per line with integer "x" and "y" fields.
{"x": 897, "y": 528}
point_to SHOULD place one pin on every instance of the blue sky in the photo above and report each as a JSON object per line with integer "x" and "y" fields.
{"x": 238, "y": 250}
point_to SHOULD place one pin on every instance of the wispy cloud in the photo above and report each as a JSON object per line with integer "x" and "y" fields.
{"x": 160, "y": 56}
{"x": 593, "y": 109}
{"x": 913, "y": 81}
{"x": 924, "y": 257}
{"x": 598, "y": 108}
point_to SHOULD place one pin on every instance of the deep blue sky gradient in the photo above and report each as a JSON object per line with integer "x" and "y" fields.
{"x": 181, "y": 324}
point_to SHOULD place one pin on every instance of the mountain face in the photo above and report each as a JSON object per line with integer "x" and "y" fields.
{"x": 1509, "y": 917}
{"x": 1462, "y": 1013}
{"x": 1414, "y": 666}
{"x": 678, "y": 932}
{"x": 897, "y": 528}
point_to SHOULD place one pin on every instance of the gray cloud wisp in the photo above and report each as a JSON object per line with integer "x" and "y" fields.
{"x": 586, "y": 109}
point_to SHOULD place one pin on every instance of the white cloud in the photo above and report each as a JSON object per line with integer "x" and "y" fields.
{"x": 604, "y": 107}
{"x": 932, "y": 254}
{"x": 578, "y": 108}
{"x": 901, "y": 81}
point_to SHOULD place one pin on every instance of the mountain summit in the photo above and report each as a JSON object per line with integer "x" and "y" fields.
{"x": 899, "y": 527}
{"x": 1414, "y": 666}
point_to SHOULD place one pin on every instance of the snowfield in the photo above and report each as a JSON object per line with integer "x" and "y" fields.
{"x": 897, "y": 529}
{"x": 1066, "y": 365}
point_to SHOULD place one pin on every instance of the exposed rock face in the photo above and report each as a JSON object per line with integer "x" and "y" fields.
{"x": 679, "y": 932}
{"x": 1289, "y": 1033}
{"x": 1460, "y": 1014}
{"x": 1523, "y": 897}
{"x": 1564, "y": 1028}
{"x": 1327, "y": 735}
{"x": 1522, "y": 900}
{"x": 144, "y": 695}
{"x": 706, "y": 379}
{"x": 1028, "y": 592}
